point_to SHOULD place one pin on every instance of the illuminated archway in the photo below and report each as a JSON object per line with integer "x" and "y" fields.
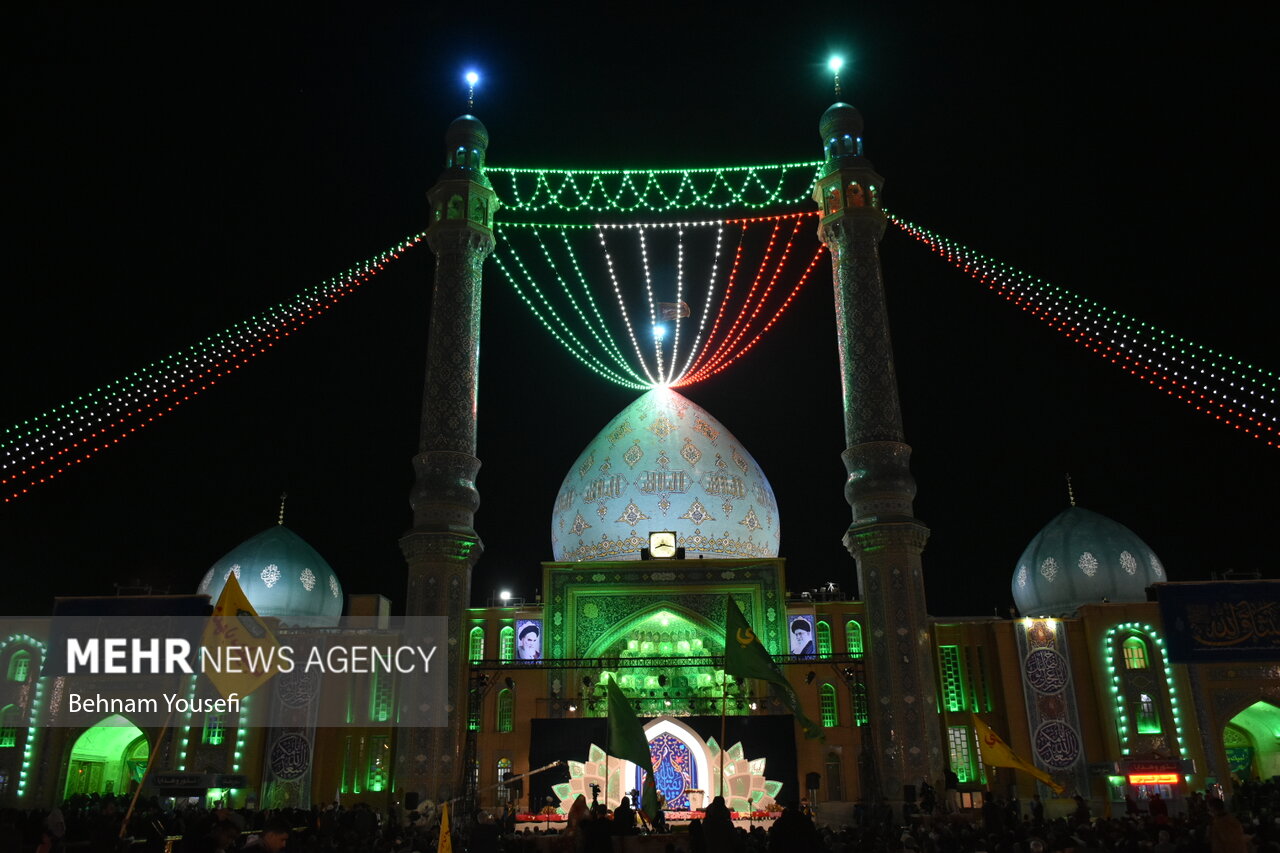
{"x": 108, "y": 758}
{"x": 661, "y": 640}
{"x": 1251, "y": 740}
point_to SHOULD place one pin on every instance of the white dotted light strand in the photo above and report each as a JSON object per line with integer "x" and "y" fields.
{"x": 706, "y": 308}
{"x": 958, "y": 253}
{"x": 617, "y": 290}
{"x": 571, "y": 343}
{"x": 566, "y": 335}
{"x": 675, "y": 337}
{"x": 653, "y": 315}
{"x": 1183, "y": 372}
{"x": 608, "y": 340}
{"x": 114, "y": 412}
{"x": 170, "y": 368}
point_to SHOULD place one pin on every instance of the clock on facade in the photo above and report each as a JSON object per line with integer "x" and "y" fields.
{"x": 662, "y": 546}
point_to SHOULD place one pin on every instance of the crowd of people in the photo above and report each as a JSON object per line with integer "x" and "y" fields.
{"x": 1199, "y": 824}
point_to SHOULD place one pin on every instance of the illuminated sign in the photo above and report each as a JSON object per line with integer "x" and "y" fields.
{"x": 1153, "y": 778}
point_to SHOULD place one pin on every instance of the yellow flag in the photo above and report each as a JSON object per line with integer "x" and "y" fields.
{"x": 240, "y": 651}
{"x": 996, "y": 753}
{"x": 446, "y": 840}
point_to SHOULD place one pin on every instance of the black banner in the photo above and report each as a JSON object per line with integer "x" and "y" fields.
{"x": 1225, "y": 621}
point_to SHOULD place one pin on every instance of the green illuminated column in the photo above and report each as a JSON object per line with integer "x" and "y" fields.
{"x": 884, "y": 538}
{"x": 442, "y": 548}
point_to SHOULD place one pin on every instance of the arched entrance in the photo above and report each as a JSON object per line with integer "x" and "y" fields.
{"x": 1251, "y": 740}
{"x": 108, "y": 758}
{"x": 654, "y": 648}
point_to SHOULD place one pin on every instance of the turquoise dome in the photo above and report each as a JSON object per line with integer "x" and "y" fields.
{"x": 1079, "y": 558}
{"x": 284, "y": 578}
{"x": 664, "y": 463}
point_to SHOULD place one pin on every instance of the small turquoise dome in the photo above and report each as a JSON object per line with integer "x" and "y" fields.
{"x": 1081, "y": 557}
{"x": 284, "y": 578}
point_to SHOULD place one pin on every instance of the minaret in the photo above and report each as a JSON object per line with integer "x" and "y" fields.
{"x": 442, "y": 548}
{"x": 884, "y": 538}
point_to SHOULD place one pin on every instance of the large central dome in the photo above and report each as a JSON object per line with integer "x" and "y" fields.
{"x": 664, "y": 464}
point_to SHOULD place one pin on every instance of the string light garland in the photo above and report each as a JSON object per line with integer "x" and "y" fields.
{"x": 40, "y": 448}
{"x": 1235, "y": 393}
{"x": 551, "y": 320}
{"x": 678, "y": 358}
{"x": 650, "y": 190}
{"x": 743, "y": 318}
{"x": 711, "y": 369}
{"x": 1113, "y": 655}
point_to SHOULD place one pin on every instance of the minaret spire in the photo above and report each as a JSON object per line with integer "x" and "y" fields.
{"x": 884, "y": 537}
{"x": 443, "y": 547}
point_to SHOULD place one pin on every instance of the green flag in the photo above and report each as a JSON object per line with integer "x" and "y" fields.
{"x": 745, "y": 657}
{"x": 627, "y": 741}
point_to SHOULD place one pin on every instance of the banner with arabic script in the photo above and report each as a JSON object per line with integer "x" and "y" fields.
{"x": 1222, "y": 621}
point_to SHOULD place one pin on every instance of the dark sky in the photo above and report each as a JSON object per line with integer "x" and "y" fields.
{"x": 169, "y": 177}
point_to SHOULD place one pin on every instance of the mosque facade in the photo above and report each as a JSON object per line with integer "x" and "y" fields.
{"x": 1111, "y": 680}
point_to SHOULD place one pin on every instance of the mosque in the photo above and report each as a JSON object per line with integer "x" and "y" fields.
{"x": 1111, "y": 680}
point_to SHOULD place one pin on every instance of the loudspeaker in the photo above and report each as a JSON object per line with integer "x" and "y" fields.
{"x": 908, "y": 793}
{"x": 411, "y": 801}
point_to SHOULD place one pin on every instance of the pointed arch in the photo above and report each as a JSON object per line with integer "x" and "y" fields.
{"x": 823, "y": 637}
{"x": 830, "y": 705}
{"x": 506, "y": 711}
{"x": 853, "y": 638}
{"x": 507, "y": 643}
{"x": 713, "y": 635}
{"x": 1135, "y": 653}
{"x": 475, "y": 645}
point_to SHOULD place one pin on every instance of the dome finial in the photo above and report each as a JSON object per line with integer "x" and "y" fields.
{"x": 283, "y": 497}
{"x": 1071, "y": 495}
{"x": 472, "y": 79}
{"x": 835, "y": 64}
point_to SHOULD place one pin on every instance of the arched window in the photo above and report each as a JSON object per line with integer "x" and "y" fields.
{"x": 504, "y": 770}
{"x": 9, "y": 721}
{"x": 1135, "y": 653}
{"x": 835, "y": 780}
{"x": 506, "y": 710}
{"x": 19, "y": 666}
{"x": 475, "y": 647}
{"x": 380, "y": 697}
{"x": 507, "y": 643}
{"x": 215, "y": 729}
{"x": 824, "y": 640}
{"x": 830, "y": 706}
{"x": 1144, "y": 712}
{"x": 860, "y": 713}
{"x": 853, "y": 638}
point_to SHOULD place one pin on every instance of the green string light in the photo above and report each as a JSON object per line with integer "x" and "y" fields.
{"x": 551, "y": 319}
{"x": 628, "y": 190}
{"x": 157, "y": 388}
{"x": 1235, "y": 393}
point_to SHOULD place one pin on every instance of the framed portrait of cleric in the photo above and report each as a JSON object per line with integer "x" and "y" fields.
{"x": 529, "y": 639}
{"x": 800, "y": 635}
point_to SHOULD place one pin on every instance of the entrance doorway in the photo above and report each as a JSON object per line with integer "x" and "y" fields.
{"x": 1251, "y": 740}
{"x": 108, "y": 758}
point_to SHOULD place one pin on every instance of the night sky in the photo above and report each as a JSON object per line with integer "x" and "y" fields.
{"x": 168, "y": 178}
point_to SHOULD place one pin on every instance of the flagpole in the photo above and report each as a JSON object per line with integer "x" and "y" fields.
{"x": 606, "y": 780}
{"x": 724, "y": 698}
{"x": 151, "y": 760}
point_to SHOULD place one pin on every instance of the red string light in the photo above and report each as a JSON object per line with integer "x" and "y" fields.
{"x": 1202, "y": 399}
{"x": 42, "y": 470}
